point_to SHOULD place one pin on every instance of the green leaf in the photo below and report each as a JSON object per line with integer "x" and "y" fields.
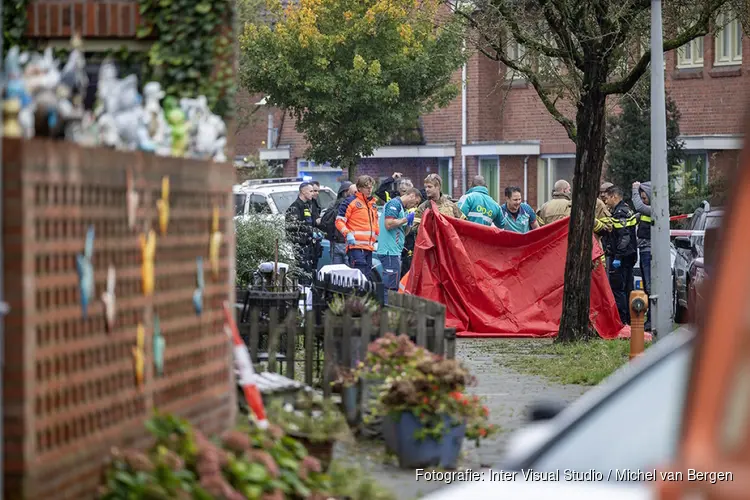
{"x": 203, "y": 8}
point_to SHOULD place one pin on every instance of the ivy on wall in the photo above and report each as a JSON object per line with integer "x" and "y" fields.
{"x": 15, "y": 22}
{"x": 193, "y": 51}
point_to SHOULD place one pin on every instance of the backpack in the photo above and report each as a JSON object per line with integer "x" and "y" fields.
{"x": 328, "y": 221}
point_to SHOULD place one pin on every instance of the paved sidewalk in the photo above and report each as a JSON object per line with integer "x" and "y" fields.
{"x": 508, "y": 395}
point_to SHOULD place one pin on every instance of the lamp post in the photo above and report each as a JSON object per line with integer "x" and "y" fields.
{"x": 661, "y": 269}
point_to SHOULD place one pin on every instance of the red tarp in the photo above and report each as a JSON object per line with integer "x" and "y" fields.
{"x": 498, "y": 283}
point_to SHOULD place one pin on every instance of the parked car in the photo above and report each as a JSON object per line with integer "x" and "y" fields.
{"x": 272, "y": 197}
{"x": 645, "y": 398}
{"x": 689, "y": 264}
{"x": 638, "y": 276}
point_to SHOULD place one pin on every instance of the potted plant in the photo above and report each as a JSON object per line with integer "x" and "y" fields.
{"x": 347, "y": 385}
{"x": 243, "y": 463}
{"x": 389, "y": 356}
{"x": 425, "y": 417}
{"x": 313, "y": 420}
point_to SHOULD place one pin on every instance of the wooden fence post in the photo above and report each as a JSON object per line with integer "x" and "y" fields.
{"x": 385, "y": 320}
{"x": 407, "y": 306}
{"x": 450, "y": 343}
{"x": 346, "y": 341}
{"x": 254, "y": 333}
{"x": 291, "y": 342}
{"x": 309, "y": 346}
{"x": 327, "y": 352}
{"x": 439, "y": 329}
{"x": 366, "y": 335}
{"x": 420, "y": 310}
{"x": 273, "y": 338}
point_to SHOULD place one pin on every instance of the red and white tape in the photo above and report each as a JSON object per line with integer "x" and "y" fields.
{"x": 245, "y": 369}
{"x": 685, "y": 232}
{"x": 680, "y": 217}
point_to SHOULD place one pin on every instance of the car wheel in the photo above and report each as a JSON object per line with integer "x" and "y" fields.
{"x": 680, "y": 313}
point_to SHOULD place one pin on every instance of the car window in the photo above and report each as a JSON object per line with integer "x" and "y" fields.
{"x": 325, "y": 199}
{"x": 713, "y": 222}
{"x": 283, "y": 199}
{"x": 696, "y": 221}
{"x": 239, "y": 203}
{"x": 259, "y": 204}
{"x": 636, "y": 429}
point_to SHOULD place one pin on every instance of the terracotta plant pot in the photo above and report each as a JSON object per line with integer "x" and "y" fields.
{"x": 322, "y": 450}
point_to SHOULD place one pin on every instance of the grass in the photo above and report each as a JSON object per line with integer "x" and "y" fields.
{"x": 582, "y": 363}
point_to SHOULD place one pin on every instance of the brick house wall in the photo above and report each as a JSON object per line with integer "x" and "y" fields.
{"x": 93, "y": 19}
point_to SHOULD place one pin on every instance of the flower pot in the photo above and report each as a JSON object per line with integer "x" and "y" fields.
{"x": 349, "y": 402}
{"x": 322, "y": 450}
{"x": 400, "y": 430}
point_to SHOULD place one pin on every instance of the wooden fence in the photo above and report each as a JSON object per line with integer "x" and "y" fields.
{"x": 322, "y": 341}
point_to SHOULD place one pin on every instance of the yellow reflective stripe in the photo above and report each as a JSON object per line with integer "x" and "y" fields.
{"x": 647, "y": 219}
{"x": 598, "y": 225}
{"x": 387, "y": 197}
{"x": 629, "y": 222}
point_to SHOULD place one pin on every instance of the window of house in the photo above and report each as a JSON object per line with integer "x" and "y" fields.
{"x": 728, "y": 41}
{"x": 551, "y": 170}
{"x": 691, "y": 173}
{"x": 690, "y": 55}
{"x": 515, "y": 52}
{"x": 489, "y": 168}
{"x": 444, "y": 171}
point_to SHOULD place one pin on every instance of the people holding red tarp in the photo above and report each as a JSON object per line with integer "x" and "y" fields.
{"x": 498, "y": 283}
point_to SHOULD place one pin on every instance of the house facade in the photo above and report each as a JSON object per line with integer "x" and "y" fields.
{"x": 498, "y": 127}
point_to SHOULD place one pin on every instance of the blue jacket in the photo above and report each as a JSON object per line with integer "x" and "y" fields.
{"x": 479, "y": 207}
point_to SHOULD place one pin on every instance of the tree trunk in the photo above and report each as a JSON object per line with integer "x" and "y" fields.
{"x": 590, "y": 151}
{"x": 350, "y": 165}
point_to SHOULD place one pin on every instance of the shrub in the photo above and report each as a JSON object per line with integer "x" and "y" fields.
{"x": 257, "y": 235}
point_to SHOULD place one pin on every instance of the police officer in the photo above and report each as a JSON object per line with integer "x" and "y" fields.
{"x": 621, "y": 248}
{"x": 300, "y": 227}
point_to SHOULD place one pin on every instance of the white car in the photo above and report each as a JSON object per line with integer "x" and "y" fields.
{"x": 273, "y": 196}
{"x": 617, "y": 434}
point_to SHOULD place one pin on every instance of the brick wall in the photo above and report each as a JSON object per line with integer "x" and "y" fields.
{"x": 93, "y": 19}
{"x": 714, "y": 99}
{"x": 70, "y": 391}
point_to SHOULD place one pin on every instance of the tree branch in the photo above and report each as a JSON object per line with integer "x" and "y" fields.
{"x": 700, "y": 28}
{"x": 518, "y": 36}
{"x": 531, "y": 77}
{"x": 559, "y": 26}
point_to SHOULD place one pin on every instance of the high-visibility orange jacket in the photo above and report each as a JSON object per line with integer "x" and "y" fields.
{"x": 359, "y": 216}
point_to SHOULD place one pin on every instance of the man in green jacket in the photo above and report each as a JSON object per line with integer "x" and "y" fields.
{"x": 478, "y": 206}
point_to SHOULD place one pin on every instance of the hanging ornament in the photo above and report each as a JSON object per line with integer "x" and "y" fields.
{"x": 108, "y": 299}
{"x": 148, "y": 251}
{"x": 139, "y": 356}
{"x": 132, "y": 199}
{"x": 215, "y": 243}
{"x": 162, "y": 205}
{"x": 198, "y": 293}
{"x": 86, "y": 272}
{"x": 159, "y": 346}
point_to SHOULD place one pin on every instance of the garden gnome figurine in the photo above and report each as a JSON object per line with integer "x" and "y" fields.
{"x": 201, "y": 284}
{"x": 86, "y": 271}
{"x": 159, "y": 344}
{"x": 106, "y": 84}
{"x": 11, "y": 125}
{"x": 153, "y": 115}
{"x": 176, "y": 119}
{"x": 15, "y": 88}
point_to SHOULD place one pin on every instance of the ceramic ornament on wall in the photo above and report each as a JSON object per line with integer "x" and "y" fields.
{"x": 86, "y": 272}
{"x": 198, "y": 293}
{"x": 215, "y": 244}
{"x": 148, "y": 251}
{"x": 159, "y": 347}
{"x": 132, "y": 199}
{"x": 162, "y": 206}
{"x": 139, "y": 356}
{"x": 108, "y": 299}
